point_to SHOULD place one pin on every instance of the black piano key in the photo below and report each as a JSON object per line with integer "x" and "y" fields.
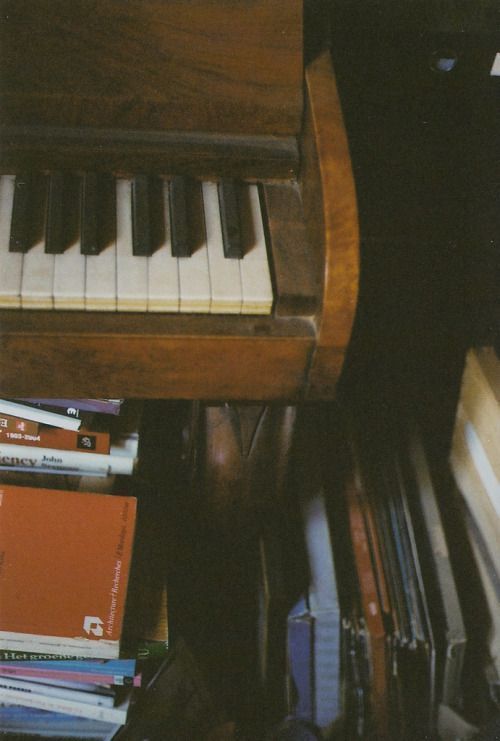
{"x": 21, "y": 214}
{"x": 90, "y": 205}
{"x": 230, "y": 219}
{"x": 141, "y": 217}
{"x": 54, "y": 225}
{"x": 179, "y": 217}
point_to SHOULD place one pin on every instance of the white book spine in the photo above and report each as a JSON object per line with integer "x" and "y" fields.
{"x": 34, "y": 643}
{"x": 57, "y": 705}
{"x": 49, "y": 690}
{"x": 39, "y": 415}
{"x": 101, "y": 687}
{"x": 495, "y": 68}
{"x": 53, "y": 460}
{"x": 483, "y": 466}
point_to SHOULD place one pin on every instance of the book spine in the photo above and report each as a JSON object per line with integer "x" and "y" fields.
{"x": 70, "y": 676}
{"x": 126, "y": 667}
{"x": 8, "y": 655}
{"x": 16, "y": 424}
{"x": 39, "y": 415}
{"x": 83, "y": 417}
{"x": 82, "y": 441}
{"x": 19, "y": 457}
{"x": 96, "y": 649}
{"x": 21, "y": 722}
{"x": 66, "y": 472}
{"x": 62, "y": 693}
{"x": 58, "y": 705}
{"x": 100, "y": 406}
{"x": 98, "y": 688}
{"x": 300, "y": 690}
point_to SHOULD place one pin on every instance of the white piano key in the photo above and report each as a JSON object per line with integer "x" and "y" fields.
{"x": 163, "y": 270}
{"x": 194, "y": 280}
{"x": 38, "y": 278}
{"x": 131, "y": 271}
{"x": 225, "y": 280}
{"x": 11, "y": 263}
{"x": 100, "y": 280}
{"x": 69, "y": 279}
{"x": 255, "y": 274}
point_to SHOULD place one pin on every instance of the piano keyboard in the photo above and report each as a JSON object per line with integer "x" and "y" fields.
{"x": 124, "y": 277}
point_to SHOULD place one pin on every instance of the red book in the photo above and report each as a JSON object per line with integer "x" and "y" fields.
{"x": 64, "y": 567}
{"x": 57, "y": 438}
{"x": 368, "y": 579}
{"x": 16, "y": 424}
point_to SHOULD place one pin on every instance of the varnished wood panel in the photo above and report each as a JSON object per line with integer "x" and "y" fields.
{"x": 298, "y": 279}
{"x": 155, "y": 366}
{"x": 202, "y": 155}
{"x": 31, "y": 324}
{"x": 330, "y": 208}
{"x": 226, "y": 66}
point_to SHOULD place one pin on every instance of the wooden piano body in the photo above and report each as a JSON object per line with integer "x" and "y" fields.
{"x": 212, "y": 89}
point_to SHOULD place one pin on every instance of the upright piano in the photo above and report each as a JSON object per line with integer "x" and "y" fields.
{"x": 177, "y": 208}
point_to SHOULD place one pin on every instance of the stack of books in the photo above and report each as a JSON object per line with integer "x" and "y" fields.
{"x": 96, "y": 437}
{"x": 83, "y": 619}
{"x": 375, "y": 636}
{"x": 475, "y": 463}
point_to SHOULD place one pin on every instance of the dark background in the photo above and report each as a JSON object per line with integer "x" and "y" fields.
{"x": 425, "y": 150}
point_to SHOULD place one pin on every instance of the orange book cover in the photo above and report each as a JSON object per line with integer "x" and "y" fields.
{"x": 65, "y": 558}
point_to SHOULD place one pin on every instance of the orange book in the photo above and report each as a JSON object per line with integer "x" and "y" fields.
{"x": 16, "y": 424}
{"x": 65, "y": 558}
{"x": 379, "y": 645}
{"x": 86, "y": 441}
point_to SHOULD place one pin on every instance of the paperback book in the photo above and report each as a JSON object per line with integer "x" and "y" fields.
{"x": 59, "y": 409}
{"x": 101, "y": 406}
{"x": 21, "y": 721}
{"x": 17, "y": 424}
{"x": 36, "y": 414}
{"x": 98, "y": 671}
{"x": 53, "y": 460}
{"x": 87, "y": 694}
{"x": 83, "y": 441}
{"x": 117, "y": 713}
{"x": 64, "y": 570}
